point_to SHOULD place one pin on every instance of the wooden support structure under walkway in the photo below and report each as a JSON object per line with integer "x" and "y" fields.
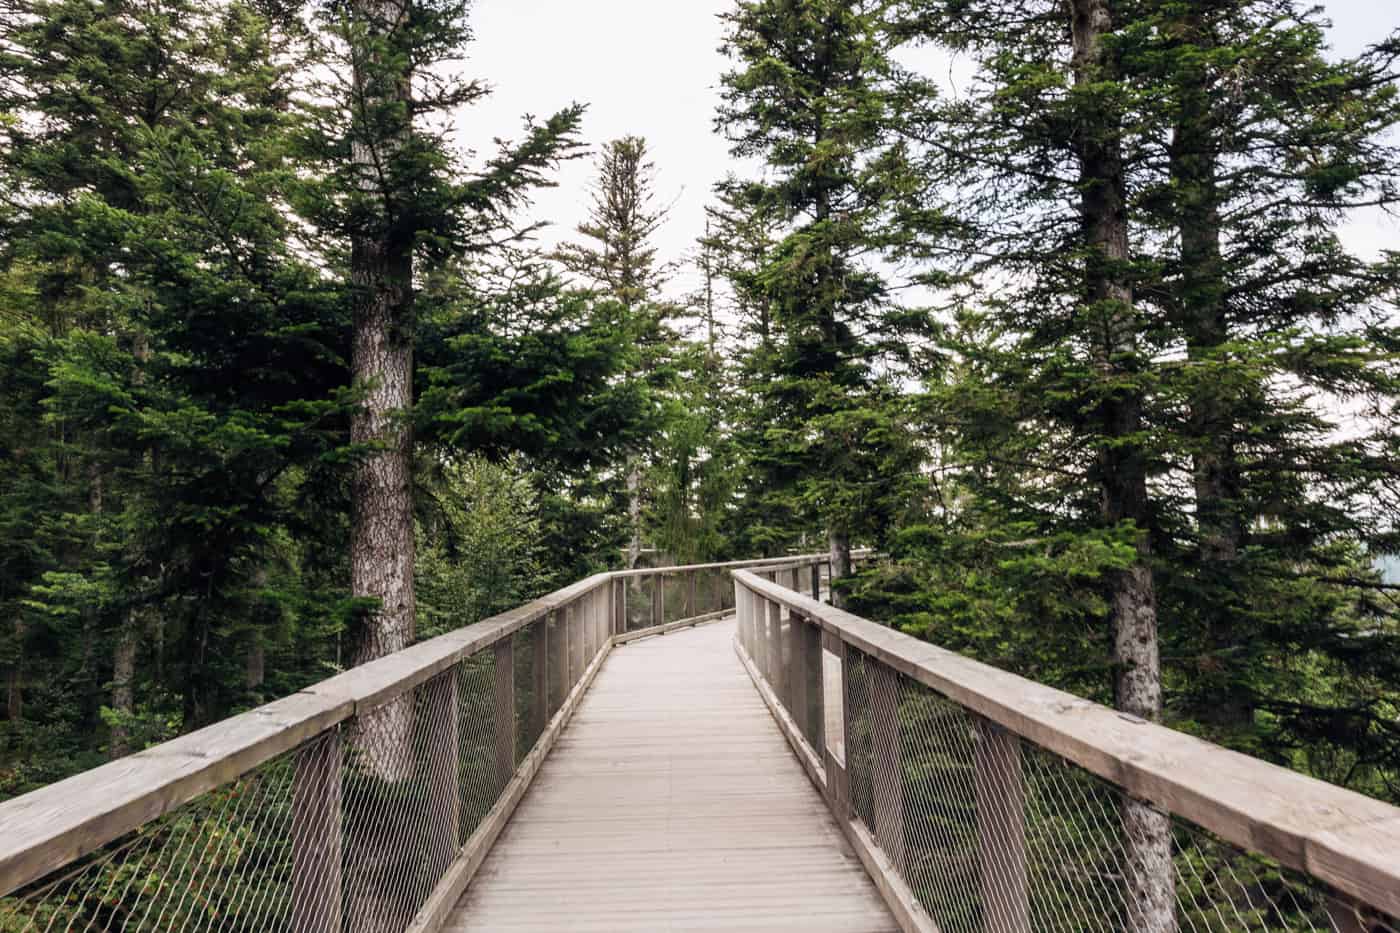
{"x": 672, "y": 802}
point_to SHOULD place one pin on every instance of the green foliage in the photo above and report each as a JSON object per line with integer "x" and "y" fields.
{"x": 817, "y": 97}
{"x": 479, "y": 549}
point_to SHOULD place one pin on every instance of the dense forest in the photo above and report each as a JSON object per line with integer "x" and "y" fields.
{"x": 289, "y": 381}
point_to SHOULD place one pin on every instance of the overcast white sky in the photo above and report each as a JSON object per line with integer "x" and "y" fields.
{"x": 651, "y": 68}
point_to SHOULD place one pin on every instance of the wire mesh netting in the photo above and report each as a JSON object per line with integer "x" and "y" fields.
{"x": 351, "y": 831}
{"x": 994, "y": 833}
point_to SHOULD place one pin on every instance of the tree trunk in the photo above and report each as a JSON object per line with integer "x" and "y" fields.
{"x": 123, "y": 686}
{"x": 255, "y": 667}
{"x": 840, "y": 545}
{"x": 381, "y": 271}
{"x": 1215, "y": 463}
{"x": 1122, "y": 467}
{"x": 14, "y": 682}
{"x": 634, "y": 512}
{"x": 91, "y": 681}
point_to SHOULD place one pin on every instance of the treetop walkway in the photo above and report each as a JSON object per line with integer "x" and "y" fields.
{"x": 561, "y": 767}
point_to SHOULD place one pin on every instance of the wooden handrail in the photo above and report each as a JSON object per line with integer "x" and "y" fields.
{"x": 50, "y": 827}
{"x": 1345, "y": 839}
{"x": 54, "y": 825}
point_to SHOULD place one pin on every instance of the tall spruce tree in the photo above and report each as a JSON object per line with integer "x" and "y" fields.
{"x": 817, "y": 98}
{"x": 1162, "y": 314}
{"x": 618, "y": 257}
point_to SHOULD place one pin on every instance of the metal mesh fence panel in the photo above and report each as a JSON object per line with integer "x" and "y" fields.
{"x": 224, "y": 861}
{"x": 399, "y": 788}
{"x": 639, "y": 602}
{"x": 992, "y": 833}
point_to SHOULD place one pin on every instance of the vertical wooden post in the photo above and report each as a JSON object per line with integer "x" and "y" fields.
{"x": 759, "y": 614}
{"x": 559, "y": 661}
{"x": 817, "y": 581}
{"x": 797, "y": 672}
{"x": 887, "y": 764}
{"x": 775, "y": 650}
{"x": 595, "y": 623}
{"x": 316, "y": 837}
{"x": 574, "y": 648}
{"x": 837, "y": 716}
{"x": 690, "y": 604}
{"x": 619, "y": 607}
{"x": 586, "y": 604}
{"x": 505, "y": 709}
{"x": 539, "y": 670}
{"x": 1001, "y": 829}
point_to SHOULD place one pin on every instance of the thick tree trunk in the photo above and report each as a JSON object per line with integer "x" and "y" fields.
{"x": 1215, "y": 462}
{"x": 123, "y": 686}
{"x": 1122, "y": 467}
{"x": 381, "y": 537}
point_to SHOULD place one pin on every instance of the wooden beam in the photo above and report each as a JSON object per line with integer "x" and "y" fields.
{"x": 539, "y": 676}
{"x": 505, "y": 708}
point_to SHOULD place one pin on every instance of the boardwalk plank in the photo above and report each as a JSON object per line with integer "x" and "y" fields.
{"x": 672, "y": 802}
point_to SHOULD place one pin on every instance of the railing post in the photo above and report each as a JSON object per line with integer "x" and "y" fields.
{"x": 1001, "y": 829}
{"x": 316, "y": 837}
{"x": 835, "y": 676}
{"x": 505, "y": 709}
{"x": 887, "y": 764}
{"x": 590, "y": 633}
{"x": 539, "y": 671}
{"x": 817, "y": 581}
{"x": 775, "y": 650}
{"x": 559, "y": 660}
{"x": 619, "y": 607}
{"x": 797, "y": 673}
{"x": 658, "y": 598}
{"x": 760, "y": 632}
{"x": 690, "y": 604}
{"x": 575, "y": 644}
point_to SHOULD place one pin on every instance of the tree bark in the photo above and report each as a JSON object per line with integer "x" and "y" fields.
{"x": 634, "y": 512}
{"x": 840, "y": 548}
{"x": 1121, "y": 465}
{"x": 14, "y": 682}
{"x": 123, "y": 686}
{"x": 255, "y": 667}
{"x": 381, "y": 273}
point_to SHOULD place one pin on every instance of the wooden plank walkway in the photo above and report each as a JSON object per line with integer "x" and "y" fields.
{"x": 672, "y": 802}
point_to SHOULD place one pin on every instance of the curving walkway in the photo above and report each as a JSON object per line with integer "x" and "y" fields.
{"x": 672, "y": 802}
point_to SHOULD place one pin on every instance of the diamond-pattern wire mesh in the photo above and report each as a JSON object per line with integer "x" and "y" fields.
{"x": 350, "y": 831}
{"x": 224, "y": 861}
{"x": 994, "y": 833}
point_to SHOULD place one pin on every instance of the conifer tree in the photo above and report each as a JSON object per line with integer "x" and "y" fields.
{"x": 1154, "y": 190}
{"x": 817, "y": 97}
{"x": 618, "y": 257}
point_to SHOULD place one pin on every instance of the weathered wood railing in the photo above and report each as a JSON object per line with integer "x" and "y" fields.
{"x": 363, "y": 803}
{"x": 979, "y": 800}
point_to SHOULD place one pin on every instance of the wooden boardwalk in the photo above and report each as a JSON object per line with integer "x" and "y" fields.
{"x": 672, "y": 803}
